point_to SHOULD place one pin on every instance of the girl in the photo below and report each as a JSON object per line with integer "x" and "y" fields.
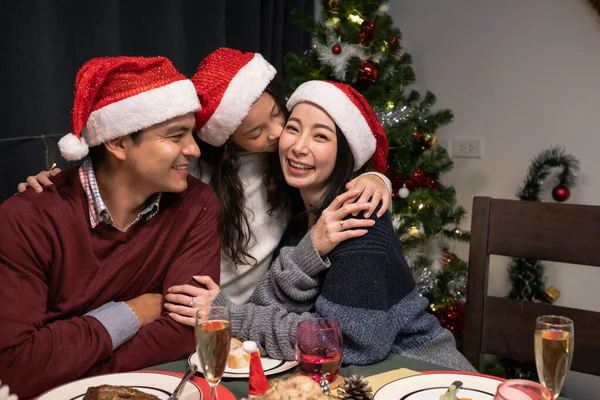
{"x": 241, "y": 118}
{"x": 331, "y": 133}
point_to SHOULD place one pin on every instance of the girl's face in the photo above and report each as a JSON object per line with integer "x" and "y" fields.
{"x": 259, "y": 132}
{"x": 308, "y": 148}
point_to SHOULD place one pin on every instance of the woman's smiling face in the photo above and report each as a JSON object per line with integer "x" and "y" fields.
{"x": 308, "y": 148}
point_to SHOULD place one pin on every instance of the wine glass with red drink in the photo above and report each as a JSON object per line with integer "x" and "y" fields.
{"x": 319, "y": 348}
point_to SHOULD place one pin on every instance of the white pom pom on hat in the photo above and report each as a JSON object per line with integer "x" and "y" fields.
{"x": 249, "y": 346}
{"x": 72, "y": 147}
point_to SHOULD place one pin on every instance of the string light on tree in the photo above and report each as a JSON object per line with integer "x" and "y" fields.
{"x": 355, "y": 18}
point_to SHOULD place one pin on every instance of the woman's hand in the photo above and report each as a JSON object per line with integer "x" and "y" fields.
{"x": 331, "y": 227}
{"x": 372, "y": 190}
{"x": 39, "y": 181}
{"x": 183, "y": 301}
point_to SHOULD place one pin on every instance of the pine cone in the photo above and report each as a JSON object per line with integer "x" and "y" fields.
{"x": 355, "y": 388}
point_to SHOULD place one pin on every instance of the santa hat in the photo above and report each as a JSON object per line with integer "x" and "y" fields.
{"x": 117, "y": 96}
{"x": 257, "y": 381}
{"x": 228, "y": 82}
{"x": 353, "y": 115}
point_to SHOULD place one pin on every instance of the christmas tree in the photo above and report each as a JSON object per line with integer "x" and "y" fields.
{"x": 356, "y": 42}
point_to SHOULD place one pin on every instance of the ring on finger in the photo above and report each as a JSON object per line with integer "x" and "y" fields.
{"x": 191, "y": 302}
{"x": 342, "y": 223}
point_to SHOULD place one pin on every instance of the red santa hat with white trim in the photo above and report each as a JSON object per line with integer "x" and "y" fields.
{"x": 117, "y": 96}
{"x": 353, "y": 115}
{"x": 228, "y": 82}
{"x": 257, "y": 380}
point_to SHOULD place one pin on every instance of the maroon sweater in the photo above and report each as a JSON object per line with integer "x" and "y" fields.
{"x": 54, "y": 269}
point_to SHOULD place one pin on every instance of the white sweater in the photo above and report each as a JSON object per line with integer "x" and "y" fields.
{"x": 239, "y": 281}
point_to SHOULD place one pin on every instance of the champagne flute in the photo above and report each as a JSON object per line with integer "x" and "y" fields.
{"x": 319, "y": 348}
{"x": 554, "y": 341}
{"x": 520, "y": 389}
{"x": 213, "y": 336}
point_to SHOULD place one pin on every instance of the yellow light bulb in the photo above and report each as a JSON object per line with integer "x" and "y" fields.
{"x": 421, "y": 206}
{"x": 389, "y": 105}
{"x": 356, "y": 19}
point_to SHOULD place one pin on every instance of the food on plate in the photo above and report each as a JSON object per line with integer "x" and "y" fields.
{"x": 237, "y": 357}
{"x": 451, "y": 393}
{"x": 109, "y": 392}
{"x": 298, "y": 387}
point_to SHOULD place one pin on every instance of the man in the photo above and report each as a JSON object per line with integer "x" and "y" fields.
{"x": 85, "y": 264}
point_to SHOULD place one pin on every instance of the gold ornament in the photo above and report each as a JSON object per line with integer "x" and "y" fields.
{"x": 425, "y": 141}
{"x": 552, "y": 294}
{"x": 428, "y": 140}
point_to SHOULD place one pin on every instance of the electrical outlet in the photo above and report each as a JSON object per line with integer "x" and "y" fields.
{"x": 467, "y": 148}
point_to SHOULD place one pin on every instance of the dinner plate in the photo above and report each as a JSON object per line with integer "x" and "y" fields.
{"x": 160, "y": 385}
{"x": 271, "y": 367}
{"x": 430, "y": 386}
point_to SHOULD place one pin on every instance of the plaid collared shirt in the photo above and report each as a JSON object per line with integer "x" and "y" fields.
{"x": 98, "y": 210}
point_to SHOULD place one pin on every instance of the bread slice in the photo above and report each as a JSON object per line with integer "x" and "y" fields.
{"x": 109, "y": 392}
{"x": 237, "y": 357}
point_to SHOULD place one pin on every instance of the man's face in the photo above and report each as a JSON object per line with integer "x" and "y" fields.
{"x": 159, "y": 161}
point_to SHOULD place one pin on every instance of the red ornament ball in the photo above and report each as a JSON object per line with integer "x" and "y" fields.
{"x": 369, "y": 71}
{"x": 336, "y": 49}
{"x": 561, "y": 193}
{"x": 393, "y": 40}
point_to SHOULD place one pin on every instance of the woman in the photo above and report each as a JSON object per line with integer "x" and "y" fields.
{"x": 242, "y": 115}
{"x": 331, "y": 133}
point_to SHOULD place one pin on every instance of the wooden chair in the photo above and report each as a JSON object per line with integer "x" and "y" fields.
{"x": 541, "y": 231}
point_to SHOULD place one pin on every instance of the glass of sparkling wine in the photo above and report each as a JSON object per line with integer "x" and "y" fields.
{"x": 554, "y": 341}
{"x": 319, "y": 348}
{"x": 213, "y": 336}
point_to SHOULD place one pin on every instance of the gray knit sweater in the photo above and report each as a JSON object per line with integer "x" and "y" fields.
{"x": 369, "y": 289}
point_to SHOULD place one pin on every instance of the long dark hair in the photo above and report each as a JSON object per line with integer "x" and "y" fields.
{"x": 234, "y": 226}
{"x": 342, "y": 173}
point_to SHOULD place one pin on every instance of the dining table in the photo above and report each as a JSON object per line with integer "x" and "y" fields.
{"x": 239, "y": 387}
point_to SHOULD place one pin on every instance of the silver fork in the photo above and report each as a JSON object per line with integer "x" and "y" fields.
{"x": 190, "y": 371}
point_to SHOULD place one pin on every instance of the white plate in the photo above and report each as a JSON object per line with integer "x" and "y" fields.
{"x": 432, "y": 386}
{"x": 160, "y": 385}
{"x": 270, "y": 366}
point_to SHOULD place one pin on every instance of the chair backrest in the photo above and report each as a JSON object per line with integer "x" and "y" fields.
{"x": 540, "y": 231}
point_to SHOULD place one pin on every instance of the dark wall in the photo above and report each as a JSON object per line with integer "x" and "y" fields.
{"x": 43, "y": 43}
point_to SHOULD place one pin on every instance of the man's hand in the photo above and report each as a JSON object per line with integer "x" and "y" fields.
{"x": 146, "y": 307}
